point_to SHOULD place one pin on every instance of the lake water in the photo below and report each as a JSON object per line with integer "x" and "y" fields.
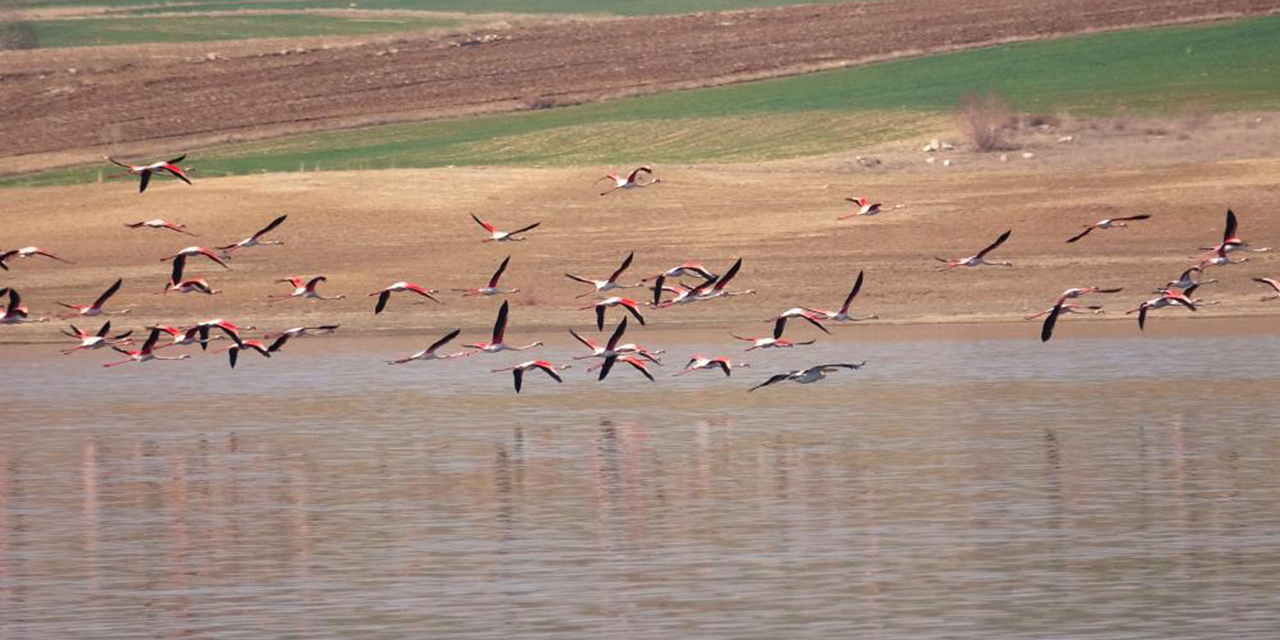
{"x": 1090, "y": 488}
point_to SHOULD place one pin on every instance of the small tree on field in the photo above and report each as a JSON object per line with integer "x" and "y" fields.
{"x": 986, "y": 120}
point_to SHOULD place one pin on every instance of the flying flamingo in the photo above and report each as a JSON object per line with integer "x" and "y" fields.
{"x": 304, "y": 289}
{"x": 430, "y": 353}
{"x": 613, "y": 348}
{"x": 233, "y": 352}
{"x": 385, "y": 294}
{"x": 684, "y": 295}
{"x": 685, "y": 269}
{"x": 636, "y": 363}
{"x": 697, "y": 362}
{"x": 146, "y": 353}
{"x": 774, "y": 342}
{"x": 145, "y": 170}
{"x": 517, "y": 371}
{"x": 1231, "y": 241}
{"x": 197, "y": 251}
{"x": 1219, "y": 257}
{"x": 865, "y": 208}
{"x": 27, "y": 252}
{"x": 626, "y": 303}
{"x": 95, "y": 309}
{"x": 718, "y": 289}
{"x": 1270, "y": 282}
{"x": 811, "y": 317}
{"x": 160, "y": 224}
{"x": 503, "y": 236}
{"x": 807, "y": 376}
{"x": 843, "y": 314}
{"x": 302, "y": 332}
{"x": 1109, "y": 223}
{"x": 607, "y": 285}
{"x": 231, "y": 330}
{"x": 1167, "y": 298}
{"x": 255, "y": 240}
{"x": 976, "y": 260}
{"x": 93, "y": 340}
{"x": 1186, "y": 280}
{"x": 1060, "y": 307}
{"x": 15, "y": 312}
{"x": 1077, "y": 292}
{"x": 499, "y": 330}
{"x": 183, "y": 338}
{"x": 176, "y": 283}
{"x": 631, "y": 181}
{"x": 492, "y": 288}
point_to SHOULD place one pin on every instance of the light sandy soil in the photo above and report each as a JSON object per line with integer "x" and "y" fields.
{"x": 366, "y": 230}
{"x": 75, "y": 105}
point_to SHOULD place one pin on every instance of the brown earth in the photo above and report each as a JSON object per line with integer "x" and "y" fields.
{"x": 365, "y": 230}
{"x": 149, "y": 98}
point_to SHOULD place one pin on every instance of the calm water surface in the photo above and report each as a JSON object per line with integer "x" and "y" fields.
{"x": 1108, "y": 488}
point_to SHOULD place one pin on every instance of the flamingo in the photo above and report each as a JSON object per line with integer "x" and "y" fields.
{"x": 685, "y": 269}
{"x": 613, "y": 348}
{"x": 718, "y": 288}
{"x": 499, "y": 330}
{"x": 518, "y": 370}
{"x": 15, "y": 312}
{"x": 607, "y": 285}
{"x": 1167, "y": 298}
{"x": 697, "y": 362}
{"x": 146, "y": 170}
{"x": 255, "y": 240}
{"x": 27, "y": 252}
{"x": 233, "y": 352}
{"x": 158, "y": 223}
{"x": 385, "y": 294}
{"x": 1219, "y": 257}
{"x": 228, "y": 328}
{"x": 1186, "y": 280}
{"x": 492, "y": 288}
{"x": 774, "y": 342}
{"x": 146, "y": 353}
{"x": 631, "y": 181}
{"x": 843, "y": 314}
{"x": 684, "y": 295}
{"x": 93, "y": 340}
{"x": 182, "y": 338}
{"x": 802, "y": 313}
{"x": 95, "y": 309}
{"x": 808, "y": 376}
{"x": 502, "y": 236}
{"x": 975, "y": 260}
{"x": 1231, "y": 241}
{"x": 626, "y": 303}
{"x": 176, "y": 283}
{"x": 305, "y": 289}
{"x": 1109, "y": 223}
{"x": 865, "y": 208}
{"x": 197, "y": 251}
{"x": 1270, "y": 282}
{"x": 1060, "y": 307}
{"x": 1077, "y": 292}
{"x": 430, "y": 353}
{"x": 636, "y": 363}
{"x": 302, "y": 332}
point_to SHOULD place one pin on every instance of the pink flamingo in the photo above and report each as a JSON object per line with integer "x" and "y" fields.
{"x": 146, "y": 170}
{"x": 385, "y": 294}
{"x": 499, "y": 330}
{"x": 93, "y": 340}
{"x": 1270, "y": 282}
{"x": 697, "y": 362}
{"x": 302, "y": 332}
{"x": 503, "y": 236}
{"x": 843, "y": 314}
{"x": 518, "y": 370}
{"x": 492, "y": 288}
{"x": 978, "y": 259}
{"x": 613, "y": 348}
{"x": 15, "y": 312}
{"x": 305, "y": 289}
{"x": 626, "y": 303}
{"x": 255, "y": 240}
{"x": 27, "y": 252}
{"x": 432, "y": 352}
{"x": 685, "y": 269}
{"x": 146, "y": 353}
{"x": 197, "y": 251}
{"x": 1109, "y": 223}
{"x": 774, "y": 342}
{"x": 158, "y": 223}
{"x": 95, "y": 309}
{"x": 233, "y": 352}
{"x": 176, "y": 283}
{"x": 607, "y": 366}
{"x": 631, "y": 181}
{"x": 607, "y": 285}
{"x": 1169, "y": 297}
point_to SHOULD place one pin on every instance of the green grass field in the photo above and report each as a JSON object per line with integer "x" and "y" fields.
{"x": 1232, "y": 66}
{"x": 116, "y": 31}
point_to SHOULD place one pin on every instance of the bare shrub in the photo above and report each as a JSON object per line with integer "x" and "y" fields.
{"x": 986, "y": 120}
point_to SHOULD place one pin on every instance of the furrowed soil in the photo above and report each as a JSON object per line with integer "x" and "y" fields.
{"x": 75, "y": 105}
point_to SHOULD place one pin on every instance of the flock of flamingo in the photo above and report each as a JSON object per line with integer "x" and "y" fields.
{"x": 667, "y": 289}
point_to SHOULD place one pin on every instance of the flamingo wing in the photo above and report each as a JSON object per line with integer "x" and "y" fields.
{"x": 1143, "y": 216}
{"x": 518, "y": 374}
{"x": 590, "y": 344}
{"x": 1142, "y": 316}
{"x": 639, "y": 366}
{"x": 625, "y": 263}
{"x": 853, "y": 293}
{"x": 1232, "y": 225}
{"x": 445, "y": 340}
{"x": 493, "y": 282}
{"x": 313, "y": 283}
{"x": 102, "y": 332}
{"x": 274, "y": 223}
{"x": 635, "y": 312}
{"x": 992, "y": 247}
{"x": 728, "y": 275}
{"x": 106, "y": 295}
{"x": 524, "y": 229}
{"x": 146, "y": 178}
{"x": 487, "y": 227}
{"x": 500, "y": 325}
{"x": 779, "y": 326}
{"x": 151, "y": 339}
{"x": 607, "y": 367}
{"x": 1046, "y": 330}
{"x": 383, "y": 297}
{"x": 1087, "y": 231}
{"x": 617, "y": 334}
{"x": 600, "y": 317}
{"x": 278, "y": 344}
{"x": 631, "y": 177}
{"x": 774, "y": 379}
{"x": 551, "y": 371}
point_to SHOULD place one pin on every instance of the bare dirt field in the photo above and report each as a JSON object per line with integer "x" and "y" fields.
{"x": 147, "y": 98}
{"x": 366, "y": 230}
